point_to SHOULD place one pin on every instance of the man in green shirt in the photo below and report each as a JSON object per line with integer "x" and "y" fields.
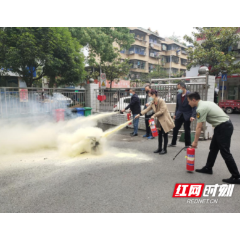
{"x": 213, "y": 114}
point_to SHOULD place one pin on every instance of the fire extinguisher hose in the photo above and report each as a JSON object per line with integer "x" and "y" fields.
{"x": 178, "y": 153}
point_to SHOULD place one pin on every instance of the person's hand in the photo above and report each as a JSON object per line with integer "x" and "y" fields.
{"x": 152, "y": 116}
{"x": 174, "y": 117}
{"x": 137, "y": 116}
{"x": 194, "y": 144}
{"x": 147, "y": 104}
{"x": 123, "y": 110}
{"x": 192, "y": 119}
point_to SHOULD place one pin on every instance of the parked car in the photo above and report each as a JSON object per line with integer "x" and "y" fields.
{"x": 124, "y": 101}
{"x": 62, "y": 99}
{"x": 229, "y": 106}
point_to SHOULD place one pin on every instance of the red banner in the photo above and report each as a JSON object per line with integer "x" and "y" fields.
{"x": 23, "y": 95}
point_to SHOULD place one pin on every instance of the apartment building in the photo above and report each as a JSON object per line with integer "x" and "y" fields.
{"x": 150, "y": 50}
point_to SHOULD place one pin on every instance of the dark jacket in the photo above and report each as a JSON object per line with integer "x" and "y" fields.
{"x": 184, "y": 108}
{"x": 134, "y": 104}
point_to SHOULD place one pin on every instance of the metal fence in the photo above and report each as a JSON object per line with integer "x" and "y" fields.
{"x": 33, "y": 101}
{"x": 118, "y": 99}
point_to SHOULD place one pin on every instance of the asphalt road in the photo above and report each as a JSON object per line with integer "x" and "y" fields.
{"x": 128, "y": 177}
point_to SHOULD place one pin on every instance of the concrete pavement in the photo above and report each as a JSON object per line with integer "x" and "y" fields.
{"x": 128, "y": 177}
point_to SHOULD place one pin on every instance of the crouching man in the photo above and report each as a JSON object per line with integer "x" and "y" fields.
{"x": 221, "y": 141}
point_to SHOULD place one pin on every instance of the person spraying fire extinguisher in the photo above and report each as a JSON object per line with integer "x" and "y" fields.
{"x": 164, "y": 122}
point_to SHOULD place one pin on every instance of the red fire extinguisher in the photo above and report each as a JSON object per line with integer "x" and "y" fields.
{"x": 129, "y": 118}
{"x": 190, "y": 158}
{"x": 153, "y": 127}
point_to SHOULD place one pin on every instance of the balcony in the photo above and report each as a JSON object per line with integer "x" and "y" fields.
{"x": 140, "y": 41}
{"x": 154, "y": 54}
{"x": 184, "y": 52}
{"x": 134, "y": 52}
{"x": 184, "y": 63}
{"x": 156, "y": 46}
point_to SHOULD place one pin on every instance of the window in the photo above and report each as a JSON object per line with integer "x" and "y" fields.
{"x": 184, "y": 61}
{"x": 138, "y": 50}
{"x": 153, "y": 53}
{"x": 137, "y": 64}
{"x": 151, "y": 66}
{"x": 153, "y": 39}
{"x": 142, "y": 101}
{"x": 164, "y": 47}
{"x": 11, "y": 81}
{"x": 232, "y": 92}
{"x": 173, "y": 47}
{"x": 174, "y": 70}
{"x": 174, "y": 59}
{"x": 127, "y": 100}
{"x": 138, "y": 35}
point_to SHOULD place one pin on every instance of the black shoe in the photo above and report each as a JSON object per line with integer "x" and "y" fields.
{"x": 233, "y": 180}
{"x": 134, "y": 135}
{"x": 163, "y": 152}
{"x": 171, "y": 145}
{"x": 205, "y": 170}
{"x": 157, "y": 151}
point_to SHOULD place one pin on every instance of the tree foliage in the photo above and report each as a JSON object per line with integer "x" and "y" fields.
{"x": 215, "y": 50}
{"x": 23, "y": 50}
{"x": 101, "y": 42}
{"x": 116, "y": 69}
{"x": 67, "y": 62}
{"x": 158, "y": 72}
{"x": 177, "y": 39}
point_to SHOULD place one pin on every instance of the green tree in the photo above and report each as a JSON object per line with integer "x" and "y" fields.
{"x": 158, "y": 71}
{"x": 67, "y": 62}
{"x": 178, "y": 74}
{"x": 116, "y": 69}
{"x": 102, "y": 42}
{"x": 23, "y": 50}
{"x": 177, "y": 39}
{"x": 215, "y": 50}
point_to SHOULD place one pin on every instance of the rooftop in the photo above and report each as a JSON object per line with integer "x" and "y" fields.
{"x": 150, "y": 32}
{"x": 167, "y": 40}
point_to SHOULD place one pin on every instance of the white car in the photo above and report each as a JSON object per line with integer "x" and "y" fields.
{"x": 62, "y": 99}
{"x": 124, "y": 102}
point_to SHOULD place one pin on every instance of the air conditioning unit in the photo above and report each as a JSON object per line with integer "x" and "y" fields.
{"x": 131, "y": 52}
{"x": 151, "y": 54}
{"x": 135, "y": 66}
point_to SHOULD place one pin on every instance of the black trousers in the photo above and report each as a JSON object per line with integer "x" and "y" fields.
{"x": 148, "y": 130}
{"x": 221, "y": 141}
{"x": 162, "y": 135}
{"x": 178, "y": 125}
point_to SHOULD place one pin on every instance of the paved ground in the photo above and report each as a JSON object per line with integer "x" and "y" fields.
{"x": 128, "y": 177}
